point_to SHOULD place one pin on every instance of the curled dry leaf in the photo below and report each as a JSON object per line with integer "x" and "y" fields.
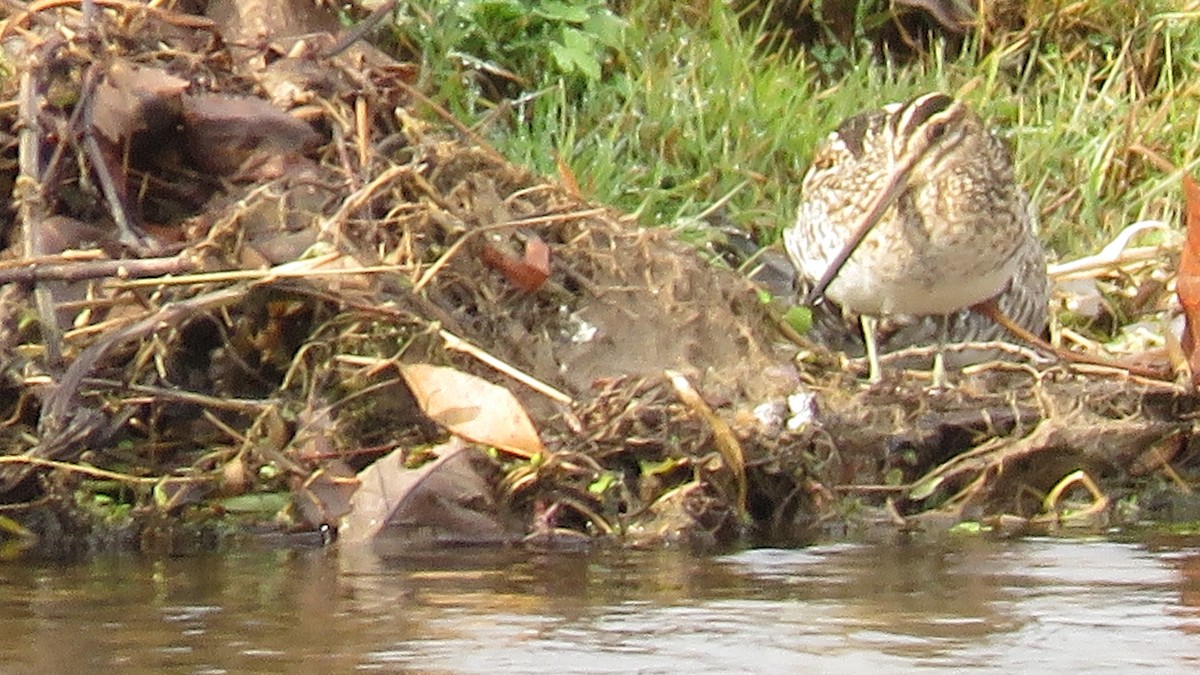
{"x": 442, "y": 501}
{"x": 473, "y": 408}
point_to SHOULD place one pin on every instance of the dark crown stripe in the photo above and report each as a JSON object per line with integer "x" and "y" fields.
{"x": 853, "y": 132}
{"x": 919, "y": 111}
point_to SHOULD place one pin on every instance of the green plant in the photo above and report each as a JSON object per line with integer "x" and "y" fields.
{"x": 522, "y": 41}
{"x": 686, "y": 106}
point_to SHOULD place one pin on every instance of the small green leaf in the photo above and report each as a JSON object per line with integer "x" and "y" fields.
{"x": 659, "y": 468}
{"x": 602, "y": 484}
{"x": 607, "y": 28}
{"x": 576, "y": 53}
{"x": 259, "y": 502}
{"x": 589, "y": 67}
{"x": 562, "y": 58}
{"x": 799, "y": 319}
{"x": 561, "y": 11}
{"x": 497, "y": 9}
{"x": 925, "y": 488}
{"x": 970, "y": 527}
{"x": 578, "y": 41}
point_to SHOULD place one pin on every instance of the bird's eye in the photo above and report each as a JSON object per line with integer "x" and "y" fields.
{"x": 937, "y": 130}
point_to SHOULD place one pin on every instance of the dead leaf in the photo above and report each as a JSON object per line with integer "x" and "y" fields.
{"x": 1187, "y": 285}
{"x": 243, "y": 138}
{"x": 135, "y": 100}
{"x": 473, "y": 408}
{"x": 443, "y": 501}
{"x": 537, "y": 257}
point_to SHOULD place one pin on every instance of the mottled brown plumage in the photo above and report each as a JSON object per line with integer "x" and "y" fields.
{"x": 946, "y": 227}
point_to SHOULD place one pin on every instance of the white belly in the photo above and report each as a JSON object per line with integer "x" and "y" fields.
{"x": 865, "y": 292}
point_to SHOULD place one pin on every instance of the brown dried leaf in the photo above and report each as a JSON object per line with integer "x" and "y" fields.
{"x": 246, "y": 138}
{"x": 473, "y": 408}
{"x": 442, "y": 501}
{"x": 134, "y": 99}
{"x": 235, "y": 477}
{"x": 537, "y": 257}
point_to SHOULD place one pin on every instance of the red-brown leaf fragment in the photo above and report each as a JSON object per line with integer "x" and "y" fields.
{"x": 528, "y": 273}
{"x": 1187, "y": 285}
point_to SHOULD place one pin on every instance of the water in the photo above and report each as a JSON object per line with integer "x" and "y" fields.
{"x": 1033, "y": 605}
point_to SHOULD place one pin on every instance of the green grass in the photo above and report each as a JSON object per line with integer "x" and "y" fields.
{"x": 690, "y": 110}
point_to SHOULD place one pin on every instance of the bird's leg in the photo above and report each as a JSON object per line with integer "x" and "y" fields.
{"x": 939, "y": 359}
{"x": 869, "y": 325}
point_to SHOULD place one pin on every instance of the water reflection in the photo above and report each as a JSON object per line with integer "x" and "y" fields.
{"x": 1033, "y": 604}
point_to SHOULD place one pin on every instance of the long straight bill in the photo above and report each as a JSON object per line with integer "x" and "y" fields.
{"x": 879, "y": 204}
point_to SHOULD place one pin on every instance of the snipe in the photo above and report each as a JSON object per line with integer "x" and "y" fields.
{"x": 912, "y": 214}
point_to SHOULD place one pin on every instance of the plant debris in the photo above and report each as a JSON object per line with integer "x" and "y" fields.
{"x": 260, "y": 289}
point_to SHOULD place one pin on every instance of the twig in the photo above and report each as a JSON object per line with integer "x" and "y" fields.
{"x": 93, "y": 471}
{"x": 202, "y": 400}
{"x": 992, "y": 311}
{"x": 864, "y": 487}
{"x": 299, "y": 269}
{"x": 30, "y": 192}
{"x": 366, "y": 25}
{"x": 1050, "y": 505}
{"x": 455, "y": 343}
{"x": 991, "y": 346}
{"x": 460, "y": 345}
{"x": 1114, "y": 254}
{"x": 168, "y": 16}
{"x": 36, "y": 270}
{"x": 131, "y": 234}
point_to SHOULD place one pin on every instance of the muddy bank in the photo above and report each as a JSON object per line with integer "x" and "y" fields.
{"x": 223, "y": 265}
